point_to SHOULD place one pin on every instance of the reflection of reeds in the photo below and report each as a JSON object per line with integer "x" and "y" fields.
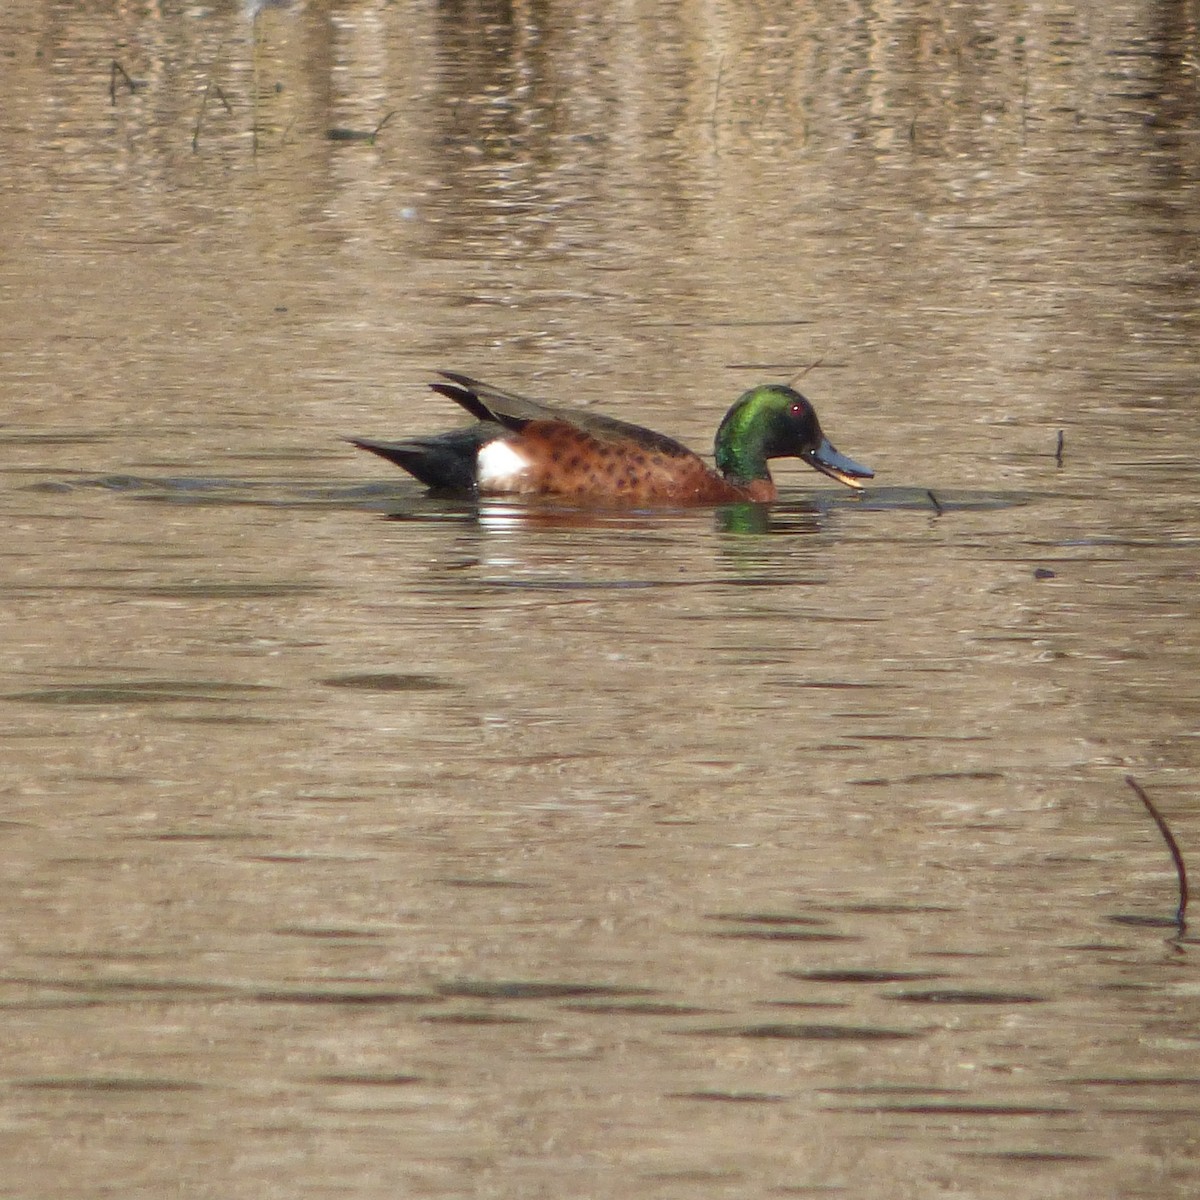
{"x": 254, "y": 41}
{"x": 717, "y": 96}
{"x": 253, "y": 10}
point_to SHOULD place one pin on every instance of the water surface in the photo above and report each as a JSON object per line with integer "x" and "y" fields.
{"x": 362, "y": 842}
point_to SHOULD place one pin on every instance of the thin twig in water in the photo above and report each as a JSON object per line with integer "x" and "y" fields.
{"x": 812, "y": 366}
{"x": 937, "y": 504}
{"x": 1172, "y": 845}
{"x": 200, "y": 118}
{"x": 375, "y": 131}
{"x": 1024, "y": 92}
{"x": 717, "y": 94}
{"x": 211, "y": 87}
{"x": 254, "y": 46}
{"x": 117, "y": 69}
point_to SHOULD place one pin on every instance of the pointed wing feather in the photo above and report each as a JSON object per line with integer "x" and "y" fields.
{"x": 488, "y": 403}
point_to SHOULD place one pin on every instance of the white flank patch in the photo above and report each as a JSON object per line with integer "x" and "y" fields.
{"x": 501, "y": 467}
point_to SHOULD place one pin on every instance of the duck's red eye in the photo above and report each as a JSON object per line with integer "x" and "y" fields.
{"x": 797, "y": 409}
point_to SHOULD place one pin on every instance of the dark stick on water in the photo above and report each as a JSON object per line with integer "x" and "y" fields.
{"x": 717, "y": 94}
{"x": 117, "y": 69}
{"x": 937, "y": 504}
{"x": 200, "y": 117}
{"x": 812, "y": 366}
{"x": 1058, "y": 449}
{"x": 1172, "y": 845}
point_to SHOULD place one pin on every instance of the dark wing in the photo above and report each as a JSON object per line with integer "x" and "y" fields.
{"x": 487, "y": 403}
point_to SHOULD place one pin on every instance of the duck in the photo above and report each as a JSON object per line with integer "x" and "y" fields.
{"x": 523, "y": 448}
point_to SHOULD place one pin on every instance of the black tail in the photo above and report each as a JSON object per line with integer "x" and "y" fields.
{"x": 443, "y": 462}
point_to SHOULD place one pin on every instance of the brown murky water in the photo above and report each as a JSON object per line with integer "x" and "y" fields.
{"x": 357, "y": 843}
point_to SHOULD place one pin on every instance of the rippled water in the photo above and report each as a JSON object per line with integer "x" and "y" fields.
{"x": 362, "y": 842}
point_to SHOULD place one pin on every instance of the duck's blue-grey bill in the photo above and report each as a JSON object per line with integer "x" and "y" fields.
{"x": 837, "y": 466}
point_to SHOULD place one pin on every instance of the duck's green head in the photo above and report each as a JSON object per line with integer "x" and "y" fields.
{"x": 775, "y": 421}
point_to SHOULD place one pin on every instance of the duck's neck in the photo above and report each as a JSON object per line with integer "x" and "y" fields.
{"x": 741, "y": 446}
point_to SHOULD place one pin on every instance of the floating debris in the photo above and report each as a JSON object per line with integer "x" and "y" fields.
{"x": 339, "y": 134}
{"x": 130, "y": 82}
